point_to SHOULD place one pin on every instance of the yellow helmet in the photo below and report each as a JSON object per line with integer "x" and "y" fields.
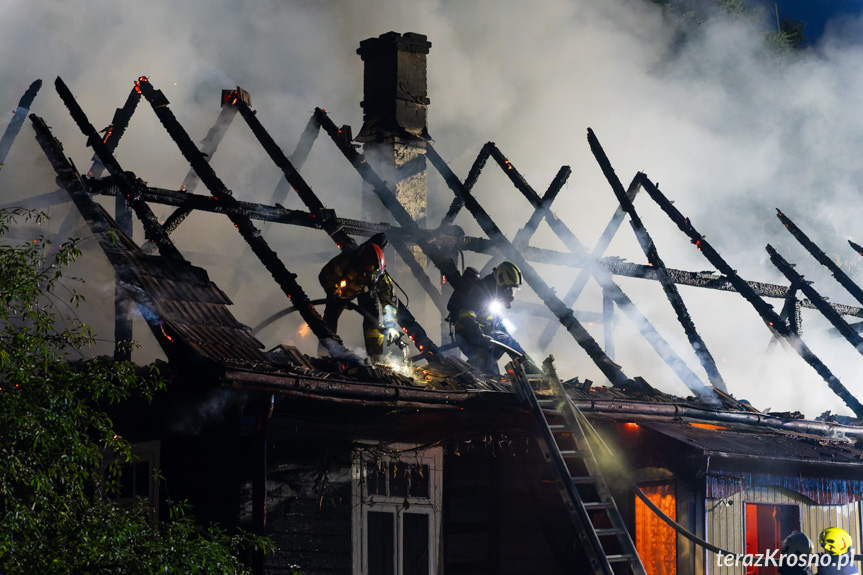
{"x": 507, "y": 274}
{"x": 835, "y": 541}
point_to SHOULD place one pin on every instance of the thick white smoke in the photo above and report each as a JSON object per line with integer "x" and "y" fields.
{"x": 729, "y": 131}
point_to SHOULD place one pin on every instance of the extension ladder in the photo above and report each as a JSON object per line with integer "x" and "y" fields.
{"x": 598, "y": 523}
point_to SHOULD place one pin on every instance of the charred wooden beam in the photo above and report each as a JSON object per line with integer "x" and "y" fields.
{"x": 822, "y": 258}
{"x": 97, "y": 220}
{"x": 55, "y": 198}
{"x": 115, "y": 130}
{"x": 391, "y": 202}
{"x": 112, "y": 135}
{"x": 284, "y": 278}
{"x": 304, "y": 191}
{"x": 775, "y": 323}
{"x": 330, "y": 223}
{"x": 191, "y": 202}
{"x": 326, "y": 218}
{"x": 444, "y": 262}
{"x": 123, "y": 332}
{"x": 304, "y": 145}
{"x": 581, "y": 279}
{"x": 130, "y": 187}
{"x": 603, "y": 277}
{"x": 652, "y": 254}
{"x": 403, "y": 245}
{"x": 798, "y": 281}
{"x": 19, "y": 115}
{"x": 791, "y": 312}
{"x": 615, "y": 265}
{"x": 209, "y": 145}
{"x": 648, "y": 331}
{"x": 611, "y": 370}
{"x": 297, "y": 158}
{"x": 608, "y": 323}
{"x": 523, "y": 235}
{"x": 388, "y": 198}
{"x": 472, "y": 176}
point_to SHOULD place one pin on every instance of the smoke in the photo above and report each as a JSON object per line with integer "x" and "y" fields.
{"x": 729, "y": 130}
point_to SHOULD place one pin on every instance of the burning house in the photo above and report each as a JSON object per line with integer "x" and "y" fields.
{"x": 432, "y": 466}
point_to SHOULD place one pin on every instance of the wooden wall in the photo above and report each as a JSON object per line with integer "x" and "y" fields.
{"x": 309, "y": 506}
{"x": 726, "y": 521}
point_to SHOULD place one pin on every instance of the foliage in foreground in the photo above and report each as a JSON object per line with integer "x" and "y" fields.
{"x": 56, "y": 515}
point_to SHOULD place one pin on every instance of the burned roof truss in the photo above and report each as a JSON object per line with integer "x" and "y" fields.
{"x": 436, "y": 244}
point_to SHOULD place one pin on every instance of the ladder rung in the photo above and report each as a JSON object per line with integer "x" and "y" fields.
{"x": 573, "y": 454}
{"x": 558, "y": 427}
{"x": 610, "y": 531}
{"x": 599, "y": 505}
{"x": 619, "y": 558}
{"x": 583, "y": 479}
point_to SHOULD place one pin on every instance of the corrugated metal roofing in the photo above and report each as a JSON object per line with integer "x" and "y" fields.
{"x": 764, "y": 444}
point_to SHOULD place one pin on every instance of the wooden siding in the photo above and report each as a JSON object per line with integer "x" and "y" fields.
{"x": 726, "y": 521}
{"x": 309, "y": 508}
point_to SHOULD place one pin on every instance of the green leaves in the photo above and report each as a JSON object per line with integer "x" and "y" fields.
{"x": 54, "y": 518}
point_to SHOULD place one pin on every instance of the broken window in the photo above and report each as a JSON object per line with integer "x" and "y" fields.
{"x": 655, "y": 540}
{"x": 397, "y": 495}
{"x": 766, "y": 526}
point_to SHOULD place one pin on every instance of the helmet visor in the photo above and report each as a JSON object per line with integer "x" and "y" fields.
{"x": 507, "y": 294}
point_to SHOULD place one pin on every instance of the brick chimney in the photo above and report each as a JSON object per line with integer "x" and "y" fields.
{"x": 395, "y": 129}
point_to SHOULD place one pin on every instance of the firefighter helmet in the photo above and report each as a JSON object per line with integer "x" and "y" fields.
{"x": 507, "y": 274}
{"x": 371, "y": 258}
{"x": 470, "y": 274}
{"x": 835, "y": 541}
{"x": 796, "y": 543}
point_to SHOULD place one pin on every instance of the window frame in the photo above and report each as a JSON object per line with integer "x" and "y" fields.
{"x": 363, "y": 502}
{"x": 143, "y": 452}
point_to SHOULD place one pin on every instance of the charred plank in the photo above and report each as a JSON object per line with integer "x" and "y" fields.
{"x": 652, "y": 254}
{"x": 284, "y": 278}
{"x": 775, "y": 323}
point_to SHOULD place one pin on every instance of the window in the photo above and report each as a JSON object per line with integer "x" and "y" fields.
{"x": 137, "y": 477}
{"x": 655, "y": 540}
{"x": 396, "y": 511}
{"x": 766, "y": 526}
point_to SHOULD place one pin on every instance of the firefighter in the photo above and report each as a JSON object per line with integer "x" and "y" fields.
{"x": 475, "y": 314}
{"x": 838, "y": 555}
{"x": 799, "y": 545}
{"x": 360, "y": 274}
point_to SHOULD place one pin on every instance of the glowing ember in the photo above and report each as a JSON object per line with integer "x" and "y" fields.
{"x": 162, "y": 327}
{"x": 708, "y": 426}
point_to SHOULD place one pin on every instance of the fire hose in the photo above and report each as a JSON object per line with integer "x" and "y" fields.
{"x": 349, "y": 305}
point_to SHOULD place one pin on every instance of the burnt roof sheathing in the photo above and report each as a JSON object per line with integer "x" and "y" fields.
{"x": 737, "y": 443}
{"x": 193, "y": 308}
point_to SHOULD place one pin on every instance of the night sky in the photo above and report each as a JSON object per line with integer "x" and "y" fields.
{"x": 815, "y": 13}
